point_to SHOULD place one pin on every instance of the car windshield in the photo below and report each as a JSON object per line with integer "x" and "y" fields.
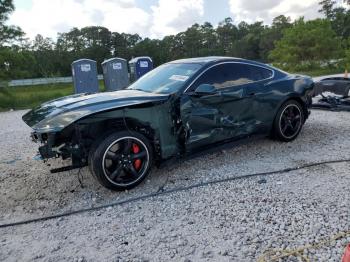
{"x": 166, "y": 79}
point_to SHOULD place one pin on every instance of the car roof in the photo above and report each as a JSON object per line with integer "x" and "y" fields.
{"x": 213, "y": 59}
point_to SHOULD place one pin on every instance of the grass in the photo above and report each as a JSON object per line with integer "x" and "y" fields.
{"x": 24, "y": 97}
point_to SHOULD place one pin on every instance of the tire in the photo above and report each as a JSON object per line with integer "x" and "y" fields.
{"x": 121, "y": 160}
{"x": 288, "y": 121}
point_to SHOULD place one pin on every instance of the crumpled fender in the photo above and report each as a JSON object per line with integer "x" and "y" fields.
{"x": 63, "y": 118}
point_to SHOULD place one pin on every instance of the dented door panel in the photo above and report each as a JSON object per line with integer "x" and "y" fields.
{"x": 200, "y": 120}
{"x": 261, "y": 106}
{"x": 208, "y": 119}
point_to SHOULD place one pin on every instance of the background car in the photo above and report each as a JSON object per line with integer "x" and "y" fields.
{"x": 176, "y": 109}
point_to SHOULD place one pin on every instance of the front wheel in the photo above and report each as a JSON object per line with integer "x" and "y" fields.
{"x": 289, "y": 121}
{"x": 121, "y": 160}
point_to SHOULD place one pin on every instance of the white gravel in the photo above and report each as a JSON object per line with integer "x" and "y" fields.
{"x": 232, "y": 221}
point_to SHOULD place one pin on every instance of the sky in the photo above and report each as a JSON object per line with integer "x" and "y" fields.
{"x": 149, "y": 18}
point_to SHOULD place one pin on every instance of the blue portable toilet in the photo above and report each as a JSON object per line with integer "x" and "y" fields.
{"x": 115, "y": 73}
{"x": 84, "y": 73}
{"x": 140, "y": 66}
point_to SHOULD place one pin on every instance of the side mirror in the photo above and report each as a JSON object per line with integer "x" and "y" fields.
{"x": 205, "y": 89}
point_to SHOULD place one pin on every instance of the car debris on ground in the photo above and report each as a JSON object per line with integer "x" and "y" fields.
{"x": 332, "y": 93}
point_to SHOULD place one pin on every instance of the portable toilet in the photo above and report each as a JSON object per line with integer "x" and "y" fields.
{"x": 140, "y": 66}
{"x": 115, "y": 73}
{"x": 84, "y": 73}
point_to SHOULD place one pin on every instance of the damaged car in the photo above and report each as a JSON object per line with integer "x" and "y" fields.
{"x": 332, "y": 93}
{"x": 174, "y": 110}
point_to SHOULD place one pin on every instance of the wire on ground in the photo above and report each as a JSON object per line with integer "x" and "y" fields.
{"x": 170, "y": 191}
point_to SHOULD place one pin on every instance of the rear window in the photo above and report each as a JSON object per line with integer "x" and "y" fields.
{"x": 232, "y": 74}
{"x": 259, "y": 73}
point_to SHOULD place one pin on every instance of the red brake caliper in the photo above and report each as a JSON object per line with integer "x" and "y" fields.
{"x": 137, "y": 163}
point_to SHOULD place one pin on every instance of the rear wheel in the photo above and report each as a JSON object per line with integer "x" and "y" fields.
{"x": 289, "y": 121}
{"x": 121, "y": 160}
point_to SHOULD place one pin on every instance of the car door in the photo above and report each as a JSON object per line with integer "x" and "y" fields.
{"x": 259, "y": 95}
{"x": 208, "y": 118}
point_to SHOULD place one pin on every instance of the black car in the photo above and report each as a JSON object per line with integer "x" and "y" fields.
{"x": 178, "y": 108}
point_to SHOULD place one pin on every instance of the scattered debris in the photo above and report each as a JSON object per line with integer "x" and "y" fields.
{"x": 262, "y": 181}
{"x": 12, "y": 161}
{"x": 38, "y": 157}
{"x": 332, "y": 94}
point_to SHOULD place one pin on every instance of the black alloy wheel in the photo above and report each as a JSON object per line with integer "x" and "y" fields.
{"x": 289, "y": 121}
{"x": 122, "y": 160}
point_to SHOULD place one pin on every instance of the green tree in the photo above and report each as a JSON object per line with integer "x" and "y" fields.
{"x": 71, "y": 41}
{"x": 227, "y": 34}
{"x": 46, "y": 58}
{"x": 327, "y": 7}
{"x": 12, "y": 63}
{"x": 8, "y": 33}
{"x": 69, "y": 47}
{"x": 192, "y": 41}
{"x": 346, "y": 60}
{"x": 93, "y": 42}
{"x": 272, "y": 34}
{"x": 173, "y": 47}
{"x": 248, "y": 46}
{"x": 97, "y": 44}
{"x": 339, "y": 17}
{"x": 151, "y": 47}
{"x": 307, "y": 44}
{"x": 209, "y": 42}
{"x": 119, "y": 45}
{"x": 123, "y": 44}
{"x": 341, "y": 22}
{"x": 15, "y": 63}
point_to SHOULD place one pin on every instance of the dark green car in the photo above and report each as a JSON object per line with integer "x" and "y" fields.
{"x": 178, "y": 108}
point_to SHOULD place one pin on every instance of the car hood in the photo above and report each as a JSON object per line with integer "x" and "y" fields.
{"x": 57, "y": 114}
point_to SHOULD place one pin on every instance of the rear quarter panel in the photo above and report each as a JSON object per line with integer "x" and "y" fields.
{"x": 286, "y": 88}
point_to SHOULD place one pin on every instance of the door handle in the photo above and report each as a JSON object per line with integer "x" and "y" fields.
{"x": 251, "y": 94}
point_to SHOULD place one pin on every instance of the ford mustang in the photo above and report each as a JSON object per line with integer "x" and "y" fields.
{"x": 172, "y": 111}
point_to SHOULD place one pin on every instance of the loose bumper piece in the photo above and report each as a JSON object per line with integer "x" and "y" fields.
{"x": 333, "y": 94}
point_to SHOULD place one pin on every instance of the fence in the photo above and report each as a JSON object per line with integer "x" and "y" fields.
{"x": 44, "y": 81}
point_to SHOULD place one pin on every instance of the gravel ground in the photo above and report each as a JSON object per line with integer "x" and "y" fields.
{"x": 232, "y": 221}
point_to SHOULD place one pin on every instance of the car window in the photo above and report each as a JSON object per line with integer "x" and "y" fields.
{"x": 259, "y": 73}
{"x": 167, "y": 78}
{"x": 232, "y": 74}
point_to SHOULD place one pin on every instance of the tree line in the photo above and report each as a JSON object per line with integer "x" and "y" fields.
{"x": 292, "y": 45}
